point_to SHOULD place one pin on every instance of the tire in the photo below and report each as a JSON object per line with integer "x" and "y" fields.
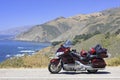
{"x": 92, "y": 71}
{"x": 53, "y": 68}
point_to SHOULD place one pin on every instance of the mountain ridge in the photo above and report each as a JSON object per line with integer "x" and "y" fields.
{"x": 15, "y": 31}
{"x": 63, "y": 28}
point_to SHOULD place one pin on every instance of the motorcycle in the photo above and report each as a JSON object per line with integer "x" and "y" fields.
{"x": 92, "y": 61}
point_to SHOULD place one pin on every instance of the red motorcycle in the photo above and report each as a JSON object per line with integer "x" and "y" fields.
{"x": 92, "y": 61}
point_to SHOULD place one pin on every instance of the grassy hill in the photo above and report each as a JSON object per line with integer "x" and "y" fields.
{"x": 111, "y": 43}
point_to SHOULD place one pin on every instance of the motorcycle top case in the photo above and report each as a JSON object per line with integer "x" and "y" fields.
{"x": 102, "y": 55}
{"x": 100, "y": 52}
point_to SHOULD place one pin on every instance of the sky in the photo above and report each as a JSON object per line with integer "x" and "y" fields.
{"x": 17, "y": 13}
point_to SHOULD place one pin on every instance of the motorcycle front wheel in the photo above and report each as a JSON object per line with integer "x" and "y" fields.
{"x": 53, "y": 68}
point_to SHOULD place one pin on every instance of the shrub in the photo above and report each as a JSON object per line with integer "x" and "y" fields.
{"x": 78, "y": 38}
{"x": 113, "y": 61}
{"x": 107, "y": 35}
{"x": 56, "y": 43}
{"x": 96, "y": 32}
{"x": 117, "y": 32}
{"x": 75, "y": 41}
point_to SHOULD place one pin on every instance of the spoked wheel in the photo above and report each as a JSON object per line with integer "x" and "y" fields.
{"x": 92, "y": 71}
{"x": 53, "y": 68}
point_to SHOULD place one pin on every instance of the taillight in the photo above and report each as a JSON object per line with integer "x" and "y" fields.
{"x": 92, "y": 51}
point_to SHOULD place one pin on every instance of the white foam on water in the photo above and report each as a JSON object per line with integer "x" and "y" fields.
{"x": 19, "y": 55}
{"x": 27, "y": 51}
{"x": 7, "y": 56}
{"x": 20, "y": 47}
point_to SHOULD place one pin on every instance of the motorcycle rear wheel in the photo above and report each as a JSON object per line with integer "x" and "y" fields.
{"x": 92, "y": 71}
{"x": 53, "y": 68}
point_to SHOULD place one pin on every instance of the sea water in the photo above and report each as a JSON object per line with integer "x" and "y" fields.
{"x": 12, "y": 48}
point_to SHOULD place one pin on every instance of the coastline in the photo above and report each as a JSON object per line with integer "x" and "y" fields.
{"x": 12, "y": 48}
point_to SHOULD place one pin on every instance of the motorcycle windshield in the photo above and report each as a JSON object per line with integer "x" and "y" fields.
{"x": 68, "y": 43}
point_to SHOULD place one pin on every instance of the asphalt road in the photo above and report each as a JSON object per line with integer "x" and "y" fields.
{"x": 110, "y": 73}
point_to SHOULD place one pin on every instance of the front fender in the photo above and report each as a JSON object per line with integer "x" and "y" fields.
{"x": 55, "y": 61}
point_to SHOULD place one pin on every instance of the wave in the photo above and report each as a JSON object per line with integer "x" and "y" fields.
{"x": 19, "y": 55}
{"x": 20, "y": 47}
{"x": 27, "y": 51}
{"x": 7, "y": 56}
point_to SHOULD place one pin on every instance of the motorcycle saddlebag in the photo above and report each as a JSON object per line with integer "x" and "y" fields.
{"x": 98, "y": 63}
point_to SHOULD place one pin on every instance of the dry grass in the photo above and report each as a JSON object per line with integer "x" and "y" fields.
{"x": 113, "y": 61}
{"x": 35, "y": 61}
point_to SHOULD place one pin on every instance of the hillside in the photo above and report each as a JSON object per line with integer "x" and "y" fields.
{"x": 62, "y": 28}
{"x": 42, "y": 58}
{"x": 111, "y": 43}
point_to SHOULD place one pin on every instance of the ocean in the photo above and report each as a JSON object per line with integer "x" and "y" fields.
{"x": 12, "y": 48}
